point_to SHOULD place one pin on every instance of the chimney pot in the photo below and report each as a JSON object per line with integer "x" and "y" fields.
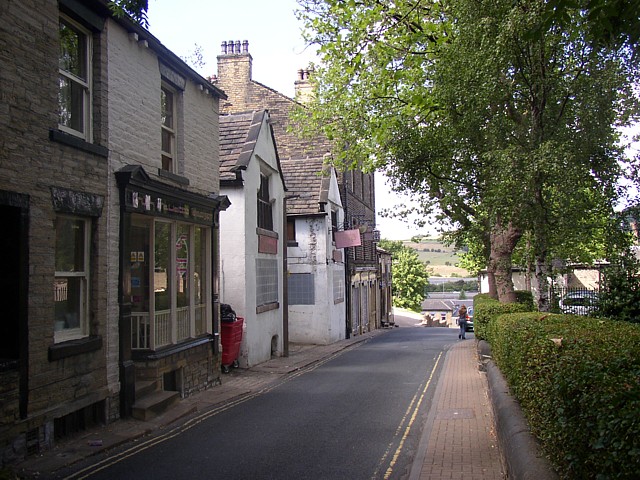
{"x": 237, "y": 46}
{"x": 224, "y": 47}
{"x": 245, "y": 46}
{"x": 230, "y": 47}
{"x": 300, "y": 74}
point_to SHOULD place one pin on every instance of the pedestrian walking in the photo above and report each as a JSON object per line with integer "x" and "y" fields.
{"x": 463, "y": 318}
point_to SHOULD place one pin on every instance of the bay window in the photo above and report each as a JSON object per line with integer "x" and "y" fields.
{"x": 170, "y": 272}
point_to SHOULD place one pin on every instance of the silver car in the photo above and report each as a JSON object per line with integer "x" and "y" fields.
{"x": 582, "y": 302}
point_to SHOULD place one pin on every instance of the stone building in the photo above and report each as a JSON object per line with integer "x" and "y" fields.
{"x": 356, "y": 188}
{"x": 109, "y": 197}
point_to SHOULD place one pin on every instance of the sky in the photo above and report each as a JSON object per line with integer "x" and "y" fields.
{"x": 277, "y": 49}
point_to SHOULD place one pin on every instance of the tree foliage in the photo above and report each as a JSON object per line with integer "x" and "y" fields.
{"x": 136, "y": 9}
{"x": 410, "y": 276}
{"x": 493, "y": 113}
{"x": 619, "y": 297}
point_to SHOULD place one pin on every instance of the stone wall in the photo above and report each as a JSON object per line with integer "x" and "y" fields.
{"x": 35, "y": 161}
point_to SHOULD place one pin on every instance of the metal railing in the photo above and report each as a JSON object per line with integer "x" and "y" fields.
{"x": 577, "y": 301}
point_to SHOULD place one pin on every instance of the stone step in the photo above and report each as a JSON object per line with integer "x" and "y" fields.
{"x": 145, "y": 387}
{"x": 153, "y": 404}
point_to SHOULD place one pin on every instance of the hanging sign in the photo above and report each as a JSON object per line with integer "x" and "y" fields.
{"x": 348, "y": 238}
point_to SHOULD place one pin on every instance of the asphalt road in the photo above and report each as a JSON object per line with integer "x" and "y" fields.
{"x": 356, "y": 416}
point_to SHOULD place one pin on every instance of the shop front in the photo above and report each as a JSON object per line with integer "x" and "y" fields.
{"x": 168, "y": 286}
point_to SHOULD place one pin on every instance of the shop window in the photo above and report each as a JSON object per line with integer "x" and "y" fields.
{"x": 70, "y": 289}
{"x": 265, "y": 214}
{"x": 170, "y": 300}
{"x": 74, "y": 94}
{"x": 301, "y": 289}
{"x": 266, "y": 281}
{"x": 168, "y": 116}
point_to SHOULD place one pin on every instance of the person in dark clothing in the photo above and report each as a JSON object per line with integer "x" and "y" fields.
{"x": 463, "y": 318}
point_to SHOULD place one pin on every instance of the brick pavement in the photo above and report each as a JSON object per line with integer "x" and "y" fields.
{"x": 459, "y": 440}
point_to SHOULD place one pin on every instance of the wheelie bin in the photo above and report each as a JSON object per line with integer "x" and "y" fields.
{"x": 230, "y": 337}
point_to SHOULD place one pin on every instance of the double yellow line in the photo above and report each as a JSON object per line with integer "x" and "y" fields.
{"x": 407, "y": 421}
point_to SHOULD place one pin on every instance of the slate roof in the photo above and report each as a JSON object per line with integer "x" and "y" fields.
{"x": 238, "y": 136}
{"x": 307, "y": 186}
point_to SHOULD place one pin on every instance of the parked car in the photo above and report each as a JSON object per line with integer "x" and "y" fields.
{"x": 582, "y": 302}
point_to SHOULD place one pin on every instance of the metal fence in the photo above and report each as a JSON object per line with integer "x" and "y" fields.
{"x": 577, "y": 301}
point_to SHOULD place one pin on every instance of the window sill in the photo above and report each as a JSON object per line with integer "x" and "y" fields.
{"x": 267, "y": 307}
{"x": 173, "y": 177}
{"x": 267, "y": 233}
{"x": 75, "y": 142}
{"x": 74, "y": 347}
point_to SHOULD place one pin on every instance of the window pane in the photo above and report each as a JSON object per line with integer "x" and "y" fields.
{"x": 69, "y": 302}
{"x": 71, "y": 104}
{"x": 73, "y": 46}
{"x": 167, "y": 141}
{"x": 161, "y": 282}
{"x": 182, "y": 265}
{"x": 167, "y": 163}
{"x": 166, "y": 101}
{"x": 200, "y": 265}
{"x": 70, "y": 243}
{"x": 139, "y": 261}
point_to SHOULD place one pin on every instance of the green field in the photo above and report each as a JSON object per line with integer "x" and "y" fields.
{"x": 441, "y": 258}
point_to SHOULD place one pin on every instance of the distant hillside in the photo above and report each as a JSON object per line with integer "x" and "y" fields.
{"x": 441, "y": 258}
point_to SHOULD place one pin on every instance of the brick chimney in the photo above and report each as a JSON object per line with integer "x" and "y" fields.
{"x": 304, "y": 86}
{"x": 234, "y": 74}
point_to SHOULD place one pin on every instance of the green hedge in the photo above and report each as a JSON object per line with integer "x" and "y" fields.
{"x": 485, "y": 308}
{"x": 578, "y": 382}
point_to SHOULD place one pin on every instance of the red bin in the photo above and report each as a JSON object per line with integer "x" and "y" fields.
{"x": 231, "y": 337}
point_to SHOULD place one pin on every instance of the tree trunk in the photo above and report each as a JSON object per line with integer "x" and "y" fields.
{"x": 503, "y": 242}
{"x": 491, "y": 280}
{"x": 543, "y": 271}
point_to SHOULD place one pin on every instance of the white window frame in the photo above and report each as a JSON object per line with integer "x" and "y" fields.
{"x": 83, "y": 329}
{"x": 172, "y": 130}
{"x": 85, "y": 84}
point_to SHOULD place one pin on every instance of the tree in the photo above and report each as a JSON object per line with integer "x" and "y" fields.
{"x": 410, "y": 276}
{"x": 486, "y": 111}
{"x": 136, "y": 9}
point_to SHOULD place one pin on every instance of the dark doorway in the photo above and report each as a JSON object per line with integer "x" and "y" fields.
{"x": 10, "y": 281}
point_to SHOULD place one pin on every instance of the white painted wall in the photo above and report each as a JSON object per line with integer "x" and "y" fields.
{"x": 239, "y": 251}
{"x": 324, "y": 322}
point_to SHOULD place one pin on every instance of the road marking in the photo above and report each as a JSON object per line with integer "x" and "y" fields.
{"x": 174, "y": 432}
{"x": 411, "y": 413}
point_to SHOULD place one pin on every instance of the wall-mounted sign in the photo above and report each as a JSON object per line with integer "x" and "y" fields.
{"x": 170, "y": 207}
{"x": 267, "y": 244}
